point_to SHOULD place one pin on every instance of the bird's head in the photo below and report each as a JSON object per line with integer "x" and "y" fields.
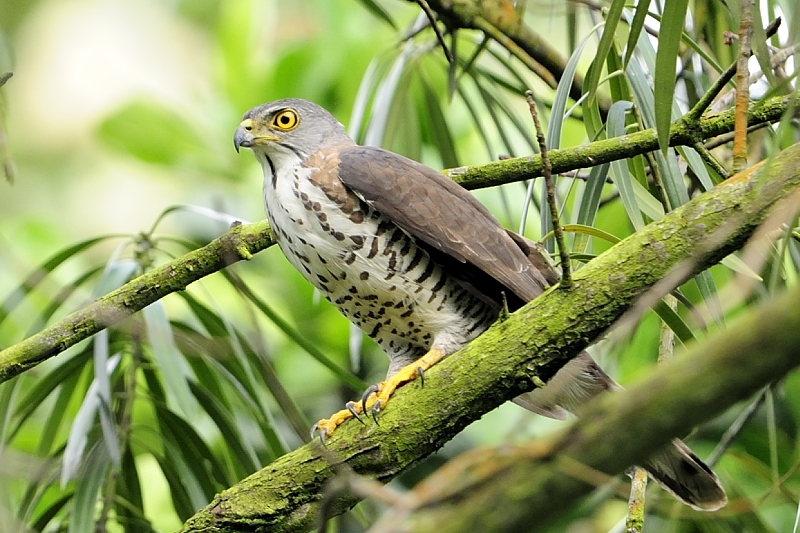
{"x": 291, "y": 128}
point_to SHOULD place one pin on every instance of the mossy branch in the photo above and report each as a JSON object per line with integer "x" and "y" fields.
{"x": 504, "y": 362}
{"x": 244, "y": 240}
{"x": 685, "y": 132}
{"x": 507, "y": 488}
{"x": 240, "y": 242}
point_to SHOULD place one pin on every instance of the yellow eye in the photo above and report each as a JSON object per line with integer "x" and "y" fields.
{"x": 286, "y": 120}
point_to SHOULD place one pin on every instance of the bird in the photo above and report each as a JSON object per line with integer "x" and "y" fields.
{"x": 417, "y": 263}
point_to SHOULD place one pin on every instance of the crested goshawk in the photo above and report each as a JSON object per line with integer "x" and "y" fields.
{"x": 416, "y": 262}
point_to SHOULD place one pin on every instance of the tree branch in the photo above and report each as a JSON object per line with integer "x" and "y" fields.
{"x": 528, "y": 346}
{"x": 473, "y": 491}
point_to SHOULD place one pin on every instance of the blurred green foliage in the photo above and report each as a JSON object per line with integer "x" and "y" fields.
{"x": 119, "y": 111}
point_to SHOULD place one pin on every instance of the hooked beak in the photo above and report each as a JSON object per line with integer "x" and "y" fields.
{"x": 244, "y": 136}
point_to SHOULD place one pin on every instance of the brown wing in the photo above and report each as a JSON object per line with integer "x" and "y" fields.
{"x": 439, "y": 212}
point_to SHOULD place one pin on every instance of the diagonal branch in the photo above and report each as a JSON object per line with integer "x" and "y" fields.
{"x": 473, "y": 491}
{"x": 527, "y": 347}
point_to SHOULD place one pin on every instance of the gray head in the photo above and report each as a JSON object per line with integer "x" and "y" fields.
{"x": 288, "y": 129}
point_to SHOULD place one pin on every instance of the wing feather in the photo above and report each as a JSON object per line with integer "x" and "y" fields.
{"x": 441, "y": 213}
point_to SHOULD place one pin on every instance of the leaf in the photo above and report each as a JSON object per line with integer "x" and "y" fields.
{"x": 376, "y": 9}
{"x": 246, "y": 460}
{"x": 619, "y": 169}
{"x": 606, "y": 42}
{"x": 43, "y": 270}
{"x": 299, "y": 339}
{"x": 669, "y": 38}
{"x": 674, "y": 321}
{"x": 81, "y": 426}
{"x": 442, "y": 138}
{"x": 556, "y": 123}
{"x": 636, "y": 25}
{"x": 169, "y": 360}
{"x": 590, "y": 202}
{"x": 81, "y": 516}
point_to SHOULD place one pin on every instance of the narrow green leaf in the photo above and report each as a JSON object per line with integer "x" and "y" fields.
{"x": 674, "y": 321}
{"x": 300, "y": 340}
{"x": 737, "y": 265}
{"x": 168, "y": 358}
{"x": 82, "y": 510}
{"x": 72, "y": 459}
{"x": 246, "y": 460}
{"x": 376, "y": 9}
{"x": 556, "y": 123}
{"x": 437, "y": 123}
{"x": 590, "y": 202}
{"x": 636, "y": 25}
{"x": 697, "y": 165}
{"x": 182, "y": 440}
{"x": 708, "y": 290}
{"x": 648, "y": 203}
{"x": 606, "y": 41}
{"x": 615, "y": 127}
{"x": 669, "y": 38}
{"x": 51, "y": 511}
{"x": 760, "y": 47}
{"x": 41, "y": 389}
{"x": 43, "y": 270}
{"x": 592, "y": 231}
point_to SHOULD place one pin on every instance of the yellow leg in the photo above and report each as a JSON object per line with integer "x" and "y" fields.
{"x": 379, "y": 394}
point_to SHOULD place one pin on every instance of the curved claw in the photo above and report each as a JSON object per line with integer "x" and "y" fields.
{"x": 375, "y": 409}
{"x": 351, "y": 406}
{"x": 365, "y": 396}
{"x": 421, "y": 374}
{"x": 322, "y": 433}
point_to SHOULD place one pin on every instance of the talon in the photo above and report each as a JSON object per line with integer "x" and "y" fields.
{"x": 351, "y": 406}
{"x": 366, "y": 395}
{"x": 421, "y": 374}
{"x": 314, "y": 429}
{"x": 322, "y": 433}
{"x": 375, "y": 409}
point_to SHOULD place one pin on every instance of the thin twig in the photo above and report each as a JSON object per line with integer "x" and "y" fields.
{"x": 516, "y": 50}
{"x": 566, "y": 276}
{"x": 742, "y": 86}
{"x": 432, "y": 19}
{"x": 724, "y": 78}
{"x": 725, "y": 138}
{"x": 634, "y": 523}
{"x": 710, "y": 160}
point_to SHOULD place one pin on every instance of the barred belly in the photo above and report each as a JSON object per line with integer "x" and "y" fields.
{"x": 372, "y": 270}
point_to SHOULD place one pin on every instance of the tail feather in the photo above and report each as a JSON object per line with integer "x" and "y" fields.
{"x": 676, "y": 468}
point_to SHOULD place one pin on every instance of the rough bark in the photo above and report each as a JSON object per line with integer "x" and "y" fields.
{"x": 510, "y": 358}
{"x": 506, "y": 489}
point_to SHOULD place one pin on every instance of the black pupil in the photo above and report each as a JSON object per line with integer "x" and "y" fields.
{"x": 285, "y": 119}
